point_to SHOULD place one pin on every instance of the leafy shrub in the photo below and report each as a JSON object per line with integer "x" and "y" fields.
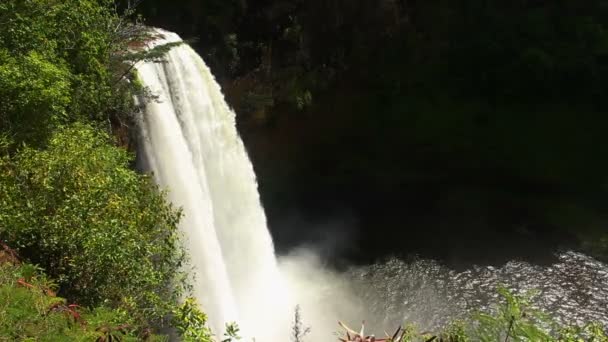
{"x": 104, "y": 232}
{"x": 191, "y": 322}
{"x": 515, "y": 317}
{"x": 517, "y": 320}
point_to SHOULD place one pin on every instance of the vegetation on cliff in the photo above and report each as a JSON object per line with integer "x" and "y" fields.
{"x": 70, "y": 201}
{"x": 30, "y": 310}
{"x": 104, "y": 232}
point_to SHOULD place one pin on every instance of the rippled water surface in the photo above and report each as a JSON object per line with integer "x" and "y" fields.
{"x": 574, "y": 290}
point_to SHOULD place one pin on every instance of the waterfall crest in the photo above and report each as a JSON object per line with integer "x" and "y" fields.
{"x": 190, "y": 143}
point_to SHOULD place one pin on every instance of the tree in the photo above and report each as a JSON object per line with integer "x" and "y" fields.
{"x": 35, "y": 93}
{"x": 59, "y": 63}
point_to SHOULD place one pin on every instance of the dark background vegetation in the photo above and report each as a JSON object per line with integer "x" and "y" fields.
{"x": 470, "y": 130}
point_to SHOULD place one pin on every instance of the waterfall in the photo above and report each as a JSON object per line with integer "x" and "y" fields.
{"x": 191, "y": 145}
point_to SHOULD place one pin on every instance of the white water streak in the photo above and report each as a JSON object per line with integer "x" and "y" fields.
{"x": 192, "y": 146}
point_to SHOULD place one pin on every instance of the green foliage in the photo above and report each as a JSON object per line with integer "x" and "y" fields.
{"x": 155, "y": 54}
{"x": 27, "y": 313}
{"x": 514, "y": 319}
{"x": 232, "y": 332}
{"x": 591, "y": 332}
{"x": 191, "y": 322}
{"x": 105, "y": 233}
{"x": 35, "y": 93}
{"x": 456, "y": 332}
{"x": 53, "y": 64}
{"x": 69, "y": 200}
{"x": 58, "y": 64}
{"x": 517, "y": 320}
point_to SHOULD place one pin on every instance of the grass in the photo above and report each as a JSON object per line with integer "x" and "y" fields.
{"x": 30, "y": 311}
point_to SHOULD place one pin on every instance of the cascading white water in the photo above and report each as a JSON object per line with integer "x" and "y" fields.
{"x": 191, "y": 145}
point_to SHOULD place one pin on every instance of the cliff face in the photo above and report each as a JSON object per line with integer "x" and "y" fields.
{"x": 413, "y": 120}
{"x": 429, "y": 189}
